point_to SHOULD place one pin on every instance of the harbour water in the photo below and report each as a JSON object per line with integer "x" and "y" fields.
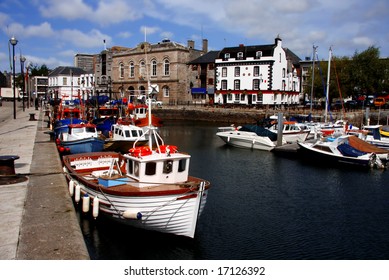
{"x": 260, "y": 206}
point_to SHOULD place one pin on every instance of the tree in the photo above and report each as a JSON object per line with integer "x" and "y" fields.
{"x": 39, "y": 70}
{"x": 366, "y": 72}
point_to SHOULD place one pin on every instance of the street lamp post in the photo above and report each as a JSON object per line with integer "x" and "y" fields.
{"x": 13, "y": 42}
{"x": 22, "y": 60}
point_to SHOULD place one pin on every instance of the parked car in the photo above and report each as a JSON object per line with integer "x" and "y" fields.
{"x": 379, "y": 102}
{"x": 154, "y": 102}
{"x": 351, "y": 104}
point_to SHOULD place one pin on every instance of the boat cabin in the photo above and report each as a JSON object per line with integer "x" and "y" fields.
{"x": 151, "y": 168}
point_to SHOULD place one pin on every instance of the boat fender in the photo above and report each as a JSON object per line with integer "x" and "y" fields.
{"x": 132, "y": 214}
{"x": 140, "y": 151}
{"x": 95, "y": 209}
{"x": 168, "y": 149}
{"x": 85, "y": 203}
{"x": 77, "y": 193}
{"x": 71, "y": 187}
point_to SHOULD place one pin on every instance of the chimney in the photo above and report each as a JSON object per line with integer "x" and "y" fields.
{"x": 191, "y": 44}
{"x": 205, "y": 45}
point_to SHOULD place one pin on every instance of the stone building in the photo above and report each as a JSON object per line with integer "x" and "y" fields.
{"x": 159, "y": 69}
{"x": 202, "y": 78}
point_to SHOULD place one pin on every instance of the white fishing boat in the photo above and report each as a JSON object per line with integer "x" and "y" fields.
{"x": 123, "y": 135}
{"x": 149, "y": 187}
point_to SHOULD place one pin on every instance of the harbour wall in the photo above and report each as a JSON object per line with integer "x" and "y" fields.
{"x": 241, "y": 116}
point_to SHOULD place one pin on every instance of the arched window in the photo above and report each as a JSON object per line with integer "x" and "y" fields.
{"x": 166, "y": 67}
{"x": 142, "y": 70}
{"x": 166, "y": 91}
{"x": 153, "y": 68}
{"x": 121, "y": 70}
{"x": 132, "y": 70}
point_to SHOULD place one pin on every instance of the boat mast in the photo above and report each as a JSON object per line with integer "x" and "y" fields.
{"x": 313, "y": 74}
{"x": 328, "y": 84}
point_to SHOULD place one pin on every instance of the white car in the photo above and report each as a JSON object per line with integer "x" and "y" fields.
{"x": 154, "y": 102}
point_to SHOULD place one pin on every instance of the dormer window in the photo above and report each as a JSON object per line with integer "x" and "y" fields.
{"x": 226, "y": 56}
{"x": 258, "y": 54}
{"x": 240, "y": 55}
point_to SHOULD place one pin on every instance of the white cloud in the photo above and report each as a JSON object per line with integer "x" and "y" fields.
{"x": 84, "y": 40}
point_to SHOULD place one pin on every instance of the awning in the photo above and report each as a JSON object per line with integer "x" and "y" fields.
{"x": 198, "y": 90}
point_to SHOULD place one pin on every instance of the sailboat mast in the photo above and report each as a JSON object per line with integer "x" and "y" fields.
{"x": 313, "y": 75}
{"x": 328, "y": 84}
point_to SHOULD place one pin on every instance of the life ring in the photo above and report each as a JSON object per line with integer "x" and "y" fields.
{"x": 167, "y": 149}
{"x": 140, "y": 151}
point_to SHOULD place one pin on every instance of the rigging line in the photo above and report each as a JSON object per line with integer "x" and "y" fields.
{"x": 324, "y": 88}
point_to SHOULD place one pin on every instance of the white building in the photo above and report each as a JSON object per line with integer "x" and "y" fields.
{"x": 65, "y": 82}
{"x": 257, "y": 75}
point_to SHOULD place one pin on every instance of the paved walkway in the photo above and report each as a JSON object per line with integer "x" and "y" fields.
{"x": 37, "y": 217}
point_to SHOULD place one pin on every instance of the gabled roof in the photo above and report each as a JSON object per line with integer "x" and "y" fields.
{"x": 207, "y": 58}
{"x": 67, "y": 71}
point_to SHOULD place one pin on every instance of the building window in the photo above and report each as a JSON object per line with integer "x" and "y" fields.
{"x": 256, "y": 84}
{"x": 283, "y": 85}
{"x": 121, "y": 70}
{"x": 240, "y": 55}
{"x": 256, "y": 71}
{"x": 229, "y": 97}
{"x": 224, "y": 85}
{"x": 211, "y": 66}
{"x": 165, "y": 91}
{"x": 210, "y": 81}
{"x": 154, "y": 68}
{"x": 132, "y": 70}
{"x": 224, "y": 72}
{"x": 166, "y": 67}
{"x": 65, "y": 81}
{"x": 283, "y": 72}
{"x": 258, "y": 54}
{"x": 142, "y": 70}
{"x": 237, "y": 84}
{"x": 237, "y": 71}
{"x": 226, "y": 56}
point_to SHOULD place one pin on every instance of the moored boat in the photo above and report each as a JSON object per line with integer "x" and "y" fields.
{"x": 149, "y": 187}
{"x": 80, "y": 138}
{"x": 345, "y": 150}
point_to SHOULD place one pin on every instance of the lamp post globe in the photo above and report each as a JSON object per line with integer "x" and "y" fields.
{"x": 13, "y": 42}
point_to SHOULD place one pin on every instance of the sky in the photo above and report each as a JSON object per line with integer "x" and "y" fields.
{"x": 51, "y": 32}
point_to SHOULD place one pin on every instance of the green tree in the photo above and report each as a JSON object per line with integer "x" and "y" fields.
{"x": 366, "y": 72}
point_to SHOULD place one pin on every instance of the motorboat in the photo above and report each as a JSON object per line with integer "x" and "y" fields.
{"x": 249, "y": 136}
{"x": 291, "y": 132}
{"x": 346, "y": 150}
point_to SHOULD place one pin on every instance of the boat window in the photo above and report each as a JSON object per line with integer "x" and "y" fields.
{"x": 90, "y": 129}
{"x": 168, "y": 166}
{"x": 77, "y": 130}
{"x": 136, "y": 169}
{"x": 134, "y": 133}
{"x": 130, "y": 167}
{"x": 182, "y": 165}
{"x": 151, "y": 168}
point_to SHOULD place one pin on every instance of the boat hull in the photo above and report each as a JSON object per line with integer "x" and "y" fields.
{"x": 86, "y": 145}
{"x": 323, "y": 158}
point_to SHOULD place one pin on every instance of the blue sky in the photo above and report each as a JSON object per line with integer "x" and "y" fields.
{"x": 51, "y": 32}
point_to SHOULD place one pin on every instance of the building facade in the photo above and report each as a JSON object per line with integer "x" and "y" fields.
{"x": 202, "y": 78}
{"x": 159, "y": 70}
{"x": 257, "y": 75}
{"x": 65, "y": 83}
{"x": 85, "y": 61}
